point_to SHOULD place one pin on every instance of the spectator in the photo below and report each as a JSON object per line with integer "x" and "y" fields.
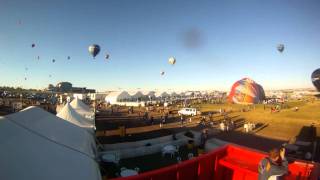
{"x": 222, "y": 126}
{"x": 232, "y": 125}
{"x": 166, "y": 117}
{"x": 203, "y": 138}
{"x": 181, "y": 120}
{"x": 210, "y": 116}
{"x": 145, "y": 117}
{"x": 246, "y": 127}
{"x": 203, "y": 121}
{"x": 275, "y": 165}
{"x": 227, "y": 125}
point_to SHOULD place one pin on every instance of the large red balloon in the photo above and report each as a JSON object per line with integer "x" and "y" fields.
{"x": 246, "y": 91}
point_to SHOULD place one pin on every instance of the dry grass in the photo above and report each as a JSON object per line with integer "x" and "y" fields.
{"x": 282, "y": 125}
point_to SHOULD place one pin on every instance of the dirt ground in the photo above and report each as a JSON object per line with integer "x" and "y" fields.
{"x": 273, "y": 129}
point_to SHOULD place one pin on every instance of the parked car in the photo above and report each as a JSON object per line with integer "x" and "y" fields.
{"x": 188, "y": 111}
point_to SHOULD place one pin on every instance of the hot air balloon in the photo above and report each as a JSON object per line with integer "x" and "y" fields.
{"x": 25, "y": 78}
{"x": 280, "y": 48}
{"x": 94, "y": 50}
{"x": 53, "y": 60}
{"x": 172, "y": 60}
{"x": 161, "y": 73}
{"x": 315, "y": 77}
{"x": 38, "y": 57}
{"x": 49, "y": 75}
{"x": 26, "y": 69}
{"x": 107, "y": 56}
{"x": 68, "y": 58}
{"x": 246, "y": 91}
{"x": 33, "y": 45}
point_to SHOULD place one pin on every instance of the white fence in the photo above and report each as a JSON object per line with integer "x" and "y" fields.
{"x": 146, "y": 147}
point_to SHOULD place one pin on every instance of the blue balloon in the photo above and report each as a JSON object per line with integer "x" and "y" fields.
{"x": 94, "y": 50}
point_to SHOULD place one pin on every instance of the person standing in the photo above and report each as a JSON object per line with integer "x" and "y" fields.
{"x": 203, "y": 138}
{"x": 181, "y": 120}
{"x": 163, "y": 119}
{"x": 210, "y": 116}
{"x": 273, "y": 166}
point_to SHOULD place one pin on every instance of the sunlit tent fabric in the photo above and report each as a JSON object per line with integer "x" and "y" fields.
{"x": 173, "y": 94}
{"x": 69, "y": 114}
{"x": 161, "y": 94}
{"x": 189, "y": 93}
{"x": 246, "y": 91}
{"x": 182, "y": 94}
{"x": 38, "y": 145}
{"x": 81, "y": 108}
{"x": 117, "y": 96}
{"x": 148, "y": 93}
{"x": 135, "y": 94}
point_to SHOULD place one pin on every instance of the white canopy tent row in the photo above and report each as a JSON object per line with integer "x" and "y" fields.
{"x": 69, "y": 114}
{"x": 136, "y": 95}
{"x": 160, "y": 94}
{"x": 117, "y": 96}
{"x": 149, "y": 94}
{"x": 82, "y": 109}
{"x": 38, "y": 145}
{"x": 140, "y": 98}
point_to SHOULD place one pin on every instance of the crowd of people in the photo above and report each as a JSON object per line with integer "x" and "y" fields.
{"x": 248, "y": 127}
{"x": 227, "y": 125}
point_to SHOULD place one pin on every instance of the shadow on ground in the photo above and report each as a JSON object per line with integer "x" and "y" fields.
{"x": 250, "y": 140}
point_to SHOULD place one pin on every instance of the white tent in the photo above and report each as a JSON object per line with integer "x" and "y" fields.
{"x": 182, "y": 94}
{"x": 136, "y": 94}
{"x": 38, "y": 145}
{"x": 148, "y": 93}
{"x": 161, "y": 94}
{"x": 69, "y": 114}
{"x": 189, "y": 93}
{"x": 82, "y": 108}
{"x": 173, "y": 94}
{"x": 117, "y": 96}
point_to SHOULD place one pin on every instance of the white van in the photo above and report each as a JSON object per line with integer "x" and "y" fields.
{"x": 188, "y": 111}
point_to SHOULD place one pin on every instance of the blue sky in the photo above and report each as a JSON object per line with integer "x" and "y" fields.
{"x": 238, "y": 39}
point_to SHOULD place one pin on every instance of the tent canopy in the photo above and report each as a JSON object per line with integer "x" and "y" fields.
{"x": 161, "y": 94}
{"x": 136, "y": 94}
{"x": 81, "y": 108}
{"x": 117, "y": 96}
{"x": 69, "y": 114}
{"x": 148, "y": 93}
{"x": 38, "y": 145}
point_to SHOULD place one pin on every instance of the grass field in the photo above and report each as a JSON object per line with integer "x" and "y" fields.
{"x": 282, "y": 125}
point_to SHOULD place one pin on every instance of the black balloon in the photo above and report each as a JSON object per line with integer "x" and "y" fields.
{"x": 33, "y": 45}
{"x": 53, "y": 60}
{"x": 94, "y": 50}
{"x": 280, "y": 47}
{"x": 315, "y": 77}
{"x": 68, "y": 57}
